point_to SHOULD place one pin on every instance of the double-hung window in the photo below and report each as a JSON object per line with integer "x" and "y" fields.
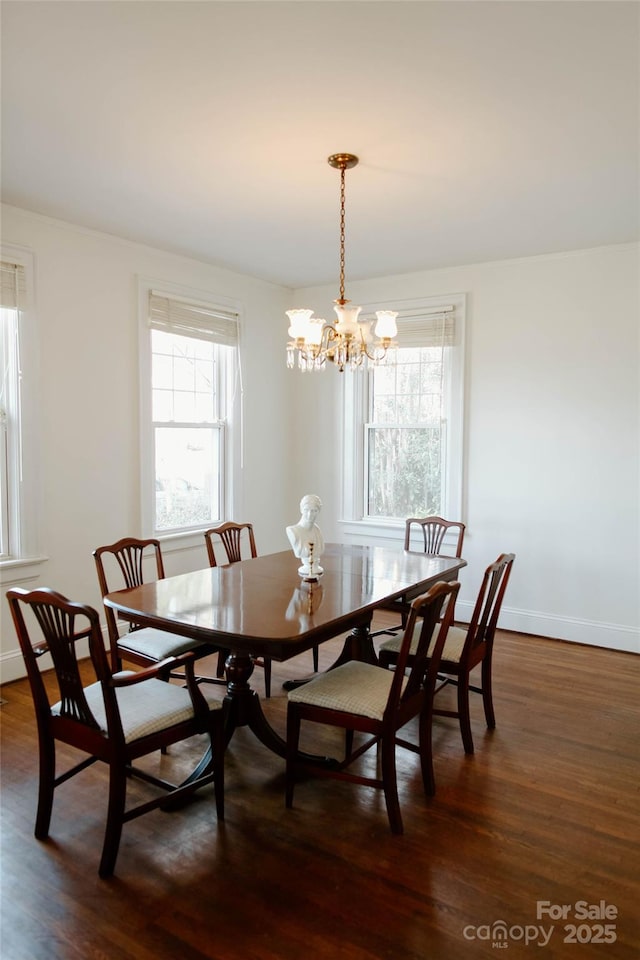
{"x": 403, "y": 425}
{"x": 18, "y": 384}
{"x": 191, "y": 349}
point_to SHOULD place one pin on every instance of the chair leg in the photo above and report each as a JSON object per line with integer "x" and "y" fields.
{"x": 387, "y": 659}
{"x": 314, "y": 652}
{"x": 115, "y": 815}
{"x": 348, "y": 743}
{"x": 222, "y": 659}
{"x": 390, "y": 783}
{"x": 218, "y": 746}
{"x": 426, "y": 751}
{"x": 464, "y": 713}
{"x": 487, "y": 693}
{"x": 46, "y": 787}
{"x": 293, "y": 738}
{"x": 267, "y": 677}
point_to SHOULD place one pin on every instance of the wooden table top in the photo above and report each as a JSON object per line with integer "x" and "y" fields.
{"x": 261, "y": 606}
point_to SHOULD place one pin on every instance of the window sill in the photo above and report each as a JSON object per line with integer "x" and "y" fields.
{"x": 357, "y": 531}
{"x": 186, "y": 540}
{"x": 20, "y": 570}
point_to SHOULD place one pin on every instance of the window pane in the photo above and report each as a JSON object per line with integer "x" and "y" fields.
{"x": 431, "y": 376}
{"x": 187, "y": 470}
{"x": 404, "y": 471}
{"x": 386, "y": 409}
{"x": 184, "y": 406}
{"x": 183, "y": 373}
{"x": 404, "y": 393}
{"x": 9, "y": 423}
{"x": 429, "y": 408}
{"x": 407, "y": 408}
{"x": 162, "y": 371}
{"x": 162, "y": 405}
{"x": 183, "y": 378}
{"x": 408, "y": 379}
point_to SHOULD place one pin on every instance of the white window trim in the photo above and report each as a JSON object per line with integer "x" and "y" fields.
{"x": 184, "y": 540}
{"x": 25, "y": 496}
{"x": 355, "y": 527}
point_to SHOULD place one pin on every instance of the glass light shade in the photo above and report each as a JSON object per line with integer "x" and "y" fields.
{"x": 300, "y": 321}
{"x": 347, "y": 322}
{"x": 386, "y": 327}
{"x": 313, "y": 337}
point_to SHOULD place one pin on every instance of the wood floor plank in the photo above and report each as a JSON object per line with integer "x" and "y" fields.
{"x": 547, "y": 809}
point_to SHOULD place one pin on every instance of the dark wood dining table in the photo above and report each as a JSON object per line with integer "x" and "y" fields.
{"x": 260, "y": 607}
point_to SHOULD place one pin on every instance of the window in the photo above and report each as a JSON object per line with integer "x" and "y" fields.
{"x": 189, "y": 412}
{"x": 18, "y": 473}
{"x": 403, "y": 427}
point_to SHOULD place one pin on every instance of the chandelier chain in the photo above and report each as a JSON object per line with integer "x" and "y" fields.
{"x": 342, "y": 204}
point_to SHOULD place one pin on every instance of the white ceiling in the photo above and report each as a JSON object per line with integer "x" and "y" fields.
{"x": 484, "y": 130}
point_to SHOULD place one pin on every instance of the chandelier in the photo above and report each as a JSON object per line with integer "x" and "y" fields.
{"x": 347, "y": 342}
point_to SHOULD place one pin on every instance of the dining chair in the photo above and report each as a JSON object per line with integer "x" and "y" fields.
{"x": 236, "y": 538}
{"x": 144, "y": 646}
{"x": 433, "y": 532}
{"x": 465, "y": 648}
{"x": 364, "y": 697}
{"x": 117, "y": 718}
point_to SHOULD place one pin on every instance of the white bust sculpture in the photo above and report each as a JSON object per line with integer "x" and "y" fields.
{"x": 306, "y": 537}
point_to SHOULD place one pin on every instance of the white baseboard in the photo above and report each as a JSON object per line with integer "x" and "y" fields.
{"x": 12, "y": 665}
{"x": 613, "y": 636}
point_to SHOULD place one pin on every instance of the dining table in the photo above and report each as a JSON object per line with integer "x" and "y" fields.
{"x": 261, "y": 607}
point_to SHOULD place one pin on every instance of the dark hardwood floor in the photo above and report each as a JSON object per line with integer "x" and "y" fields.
{"x": 546, "y": 810}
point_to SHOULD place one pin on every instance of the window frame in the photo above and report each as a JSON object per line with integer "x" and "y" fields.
{"x": 356, "y": 525}
{"x": 229, "y": 382}
{"x": 22, "y": 460}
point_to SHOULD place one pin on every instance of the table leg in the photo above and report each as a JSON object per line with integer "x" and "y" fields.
{"x": 243, "y": 704}
{"x": 358, "y": 645}
{"x": 243, "y": 709}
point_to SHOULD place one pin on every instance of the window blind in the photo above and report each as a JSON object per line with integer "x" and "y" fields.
{"x": 190, "y": 319}
{"x": 437, "y": 329}
{"x": 13, "y": 286}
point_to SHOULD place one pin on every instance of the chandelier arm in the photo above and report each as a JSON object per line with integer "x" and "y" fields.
{"x": 318, "y": 350}
{"x": 374, "y": 357}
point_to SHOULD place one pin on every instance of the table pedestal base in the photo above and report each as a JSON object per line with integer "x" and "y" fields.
{"x": 358, "y": 645}
{"x": 243, "y": 705}
{"x": 243, "y": 709}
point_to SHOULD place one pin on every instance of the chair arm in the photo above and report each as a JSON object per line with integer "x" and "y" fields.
{"x": 125, "y": 679}
{"x": 198, "y": 701}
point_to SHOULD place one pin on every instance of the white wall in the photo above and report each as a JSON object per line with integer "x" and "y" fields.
{"x": 552, "y": 434}
{"x": 86, "y": 300}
